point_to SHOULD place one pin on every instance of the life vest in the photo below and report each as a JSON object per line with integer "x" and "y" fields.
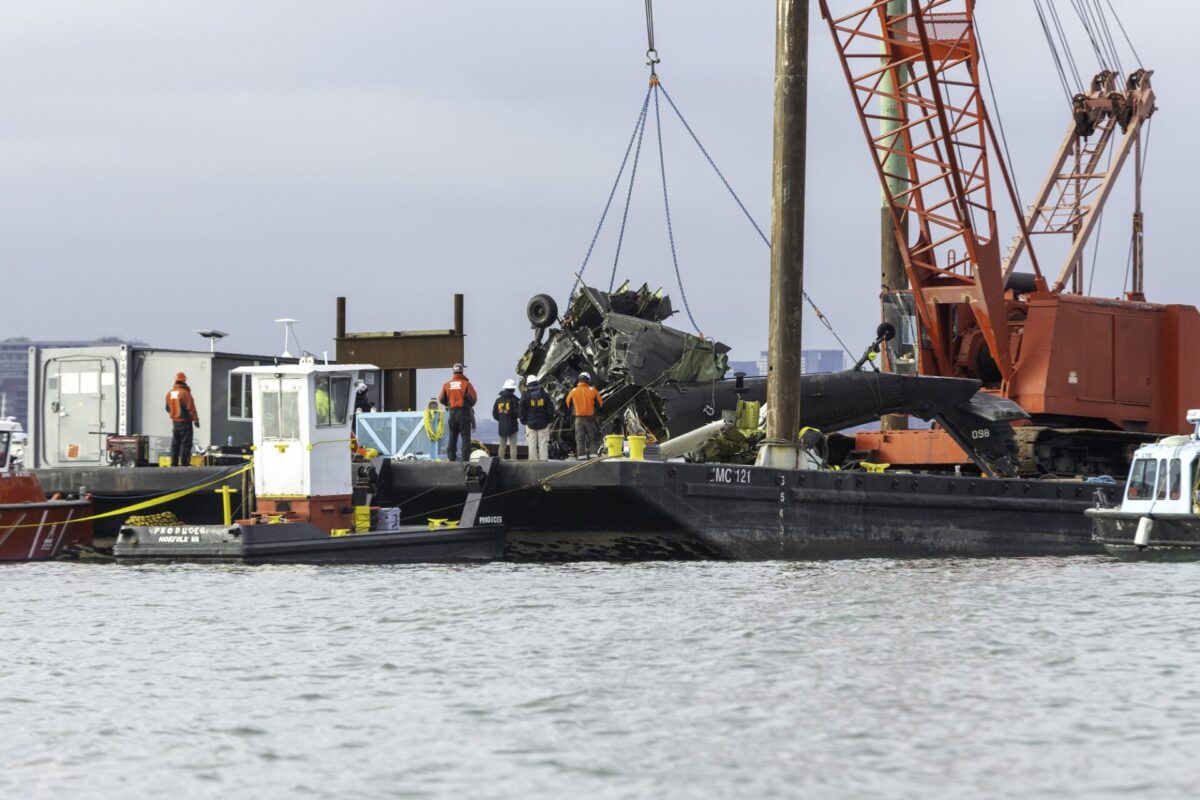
{"x": 584, "y": 399}
{"x": 458, "y": 393}
{"x": 180, "y": 405}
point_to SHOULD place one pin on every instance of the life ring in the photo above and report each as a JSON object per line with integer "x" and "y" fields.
{"x": 435, "y": 421}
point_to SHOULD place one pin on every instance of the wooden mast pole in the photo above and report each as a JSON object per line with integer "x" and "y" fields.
{"x": 787, "y": 236}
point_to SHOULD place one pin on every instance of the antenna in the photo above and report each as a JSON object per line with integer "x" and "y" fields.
{"x": 288, "y": 334}
{"x": 213, "y": 337}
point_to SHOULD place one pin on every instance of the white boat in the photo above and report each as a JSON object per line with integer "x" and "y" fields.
{"x": 1159, "y": 516}
{"x": 307, "y": 507}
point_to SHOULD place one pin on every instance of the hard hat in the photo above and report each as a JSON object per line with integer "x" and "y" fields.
{"x": 583, "y": 376}
{"x": 179, "y": 376}
{"x": 531, "y": 380}
{"x": 458, "y": 368}
{"x": 510, "y": 384}
{"x": 361, "y": 386}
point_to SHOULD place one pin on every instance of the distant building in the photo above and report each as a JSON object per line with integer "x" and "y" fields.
{"x": 822, "y": 361}
{"x": 14, "y": 371}
{"x": 748, "y": 367}
{"x": 812, "y": 361}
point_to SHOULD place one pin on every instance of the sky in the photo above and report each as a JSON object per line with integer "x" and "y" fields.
{"x": 170, "y": 166}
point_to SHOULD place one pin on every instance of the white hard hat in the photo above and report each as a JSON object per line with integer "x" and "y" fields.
{"x": 583, "y": 376}
{"x": 510, "y": 384}
{"x": 531, "y": 380}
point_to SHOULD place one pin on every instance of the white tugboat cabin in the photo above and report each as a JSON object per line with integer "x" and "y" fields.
{"x": 302, "y": 425}
{"x": 1159, "y": 517}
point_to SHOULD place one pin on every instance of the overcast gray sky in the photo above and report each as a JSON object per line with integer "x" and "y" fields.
{"x": 177, "y": 165}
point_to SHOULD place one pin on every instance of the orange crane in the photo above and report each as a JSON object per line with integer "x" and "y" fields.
{"x": 1097, "y": 375}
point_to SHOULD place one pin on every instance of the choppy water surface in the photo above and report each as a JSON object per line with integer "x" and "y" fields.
{"x": 1015, "y": 678}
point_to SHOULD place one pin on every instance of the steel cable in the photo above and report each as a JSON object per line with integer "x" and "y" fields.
{"x": 637, "y": 154}
{"x": 749, "y": 218}
{"x": 1128, "y": 41}
{"x": 1062, "y": 37}
{"x": 662, "y": 165}
{"x": 612, "y": 192}
{"x": 1062, "y": 75}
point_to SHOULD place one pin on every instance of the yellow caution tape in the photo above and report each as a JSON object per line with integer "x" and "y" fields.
{"x": 156, "y": 501}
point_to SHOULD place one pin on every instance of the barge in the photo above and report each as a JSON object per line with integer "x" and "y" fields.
{"x": 624, "y": 510}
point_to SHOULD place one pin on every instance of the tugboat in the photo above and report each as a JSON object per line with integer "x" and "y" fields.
{"x": 308, "y": 508}
{"x": 1159, "y": 515}
{"x": 34, "y": 527}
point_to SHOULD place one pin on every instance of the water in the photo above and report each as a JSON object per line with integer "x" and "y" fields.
{"x": 1009, "y": 678}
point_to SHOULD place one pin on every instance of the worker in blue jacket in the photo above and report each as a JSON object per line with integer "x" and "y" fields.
{"x": 536, "y": 413}
{"x": 504, "y": 411}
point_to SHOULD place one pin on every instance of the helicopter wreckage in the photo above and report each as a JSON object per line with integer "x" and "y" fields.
{"x": 664, "y": 382}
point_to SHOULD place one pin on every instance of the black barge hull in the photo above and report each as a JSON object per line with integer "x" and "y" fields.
{"x": 642, "y": 510}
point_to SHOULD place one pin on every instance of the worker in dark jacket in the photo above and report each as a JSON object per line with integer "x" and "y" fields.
{"x": 585, "y": 401}
{"x": 182, "y": 410}
{"x": 536, "y": 413}
{"x": 362, "y": 403}
{"x": 505, "y": 412}
{"x": 459, "y": 396}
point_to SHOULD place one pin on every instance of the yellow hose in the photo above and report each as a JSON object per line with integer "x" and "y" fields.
{"x": 435, "y": 421}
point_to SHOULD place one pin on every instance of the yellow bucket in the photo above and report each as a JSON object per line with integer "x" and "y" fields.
{"x": 164, "y": 461}
{"x": 637, "y": 448}
{"x": 362, "y": 519}
{"x": 616, "y": 445}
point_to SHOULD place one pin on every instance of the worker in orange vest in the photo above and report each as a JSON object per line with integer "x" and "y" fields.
{"x": 182, "y": 410}
{"x": 459, "y": 396}
{"x": 584, "y": 400}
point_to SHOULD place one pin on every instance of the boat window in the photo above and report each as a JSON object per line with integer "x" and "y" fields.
{"x": 1176, "y": 477}
{"x": 1141, "y": 479}
{"x": 281, "y": 412}
{"x": 5, "y": 436}
{"x": 339, "y": 386}
{"x": 332, "y": 399}
{"x": 1162, "y": 480}
{"x": 240, "y": 403}
{"x": 1196, "y": 481}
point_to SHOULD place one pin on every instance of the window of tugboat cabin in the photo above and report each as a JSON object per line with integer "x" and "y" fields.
{"x": 1162, "y": 480}
{"x": 1141, "y": 479}
{"x": 332, "y": 400}
{"x": 1195, "y": 479}
{"x": 281, "y": 409}
{"x": 5, "y": 440}
{"x": 241, "y": 403}
{"x": 1176, "y": 490}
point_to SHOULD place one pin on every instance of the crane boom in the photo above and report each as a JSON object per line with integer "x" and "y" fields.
{"x": 930, "y": 70}
{"x": 1080, "y": 178}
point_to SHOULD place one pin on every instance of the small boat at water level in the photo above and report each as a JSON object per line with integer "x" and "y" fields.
{"x": 308, "y": 508}
{"x": 1159, "y": 516}
{"x": 32, "y": 526}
